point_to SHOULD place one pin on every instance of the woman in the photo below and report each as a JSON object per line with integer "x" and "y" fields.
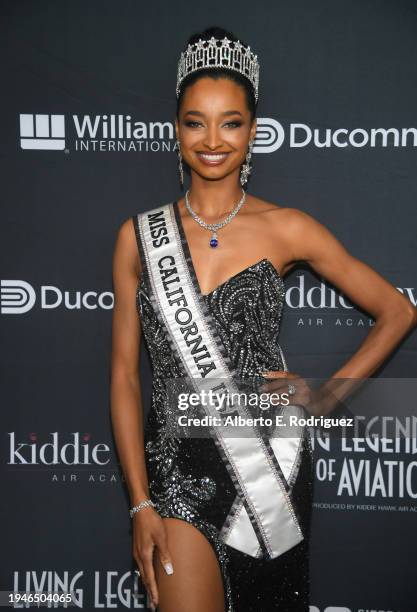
{"x": 218, "y": 526}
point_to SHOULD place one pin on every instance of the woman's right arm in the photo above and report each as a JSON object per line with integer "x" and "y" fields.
{"x": 127, "y": 408}
{"x": 125, "y": 388}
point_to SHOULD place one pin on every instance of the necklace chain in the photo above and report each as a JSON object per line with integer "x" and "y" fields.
{"x": 213, "y": 227}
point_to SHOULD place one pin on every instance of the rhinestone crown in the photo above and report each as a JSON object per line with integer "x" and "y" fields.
{"x": 219, "y": 53}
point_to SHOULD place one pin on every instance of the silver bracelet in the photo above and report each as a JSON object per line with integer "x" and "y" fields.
{"x": 143, "y": 504}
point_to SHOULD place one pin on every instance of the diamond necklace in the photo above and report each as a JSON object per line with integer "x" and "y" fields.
{"x": 213, "y": 227}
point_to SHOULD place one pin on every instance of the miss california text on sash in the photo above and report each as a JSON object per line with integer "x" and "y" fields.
{"x": 222, "y": 522}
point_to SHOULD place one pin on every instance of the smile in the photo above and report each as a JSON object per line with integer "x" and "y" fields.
{"x": 213, "y": 159}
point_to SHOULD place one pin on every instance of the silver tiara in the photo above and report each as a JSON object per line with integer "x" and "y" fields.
{"x": 209, "y": 54}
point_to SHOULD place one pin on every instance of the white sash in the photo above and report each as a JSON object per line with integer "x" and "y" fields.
{"x": 262, "y": 519}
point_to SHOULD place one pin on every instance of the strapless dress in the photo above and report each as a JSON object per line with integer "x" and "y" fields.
{"x": 188, "y": 479}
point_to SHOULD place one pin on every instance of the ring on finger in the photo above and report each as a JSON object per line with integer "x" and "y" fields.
{"x": 291, "y": 389}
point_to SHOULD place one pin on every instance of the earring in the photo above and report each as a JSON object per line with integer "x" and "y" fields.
{"x": 246, "y": 167}
{"x": 180, "y": 168}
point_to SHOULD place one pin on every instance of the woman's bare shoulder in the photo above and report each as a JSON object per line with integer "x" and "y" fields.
{"x": 126, "y": 232}
{"x": 126, "y": 246}
{"x": 272, "y": 211}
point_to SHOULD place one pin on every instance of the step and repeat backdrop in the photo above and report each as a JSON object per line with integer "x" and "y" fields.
{"x": 87, "y": 125}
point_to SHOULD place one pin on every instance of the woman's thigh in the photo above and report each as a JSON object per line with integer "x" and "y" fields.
{"x": 196, "y": 583}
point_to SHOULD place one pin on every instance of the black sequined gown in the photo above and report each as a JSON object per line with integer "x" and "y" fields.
{"x": 187, "y": 478}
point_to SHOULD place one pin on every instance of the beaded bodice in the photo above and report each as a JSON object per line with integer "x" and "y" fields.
{"x": 247, "y": 311}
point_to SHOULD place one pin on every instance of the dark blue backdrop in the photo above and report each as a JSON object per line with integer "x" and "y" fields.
{"x": 67, "y": 69}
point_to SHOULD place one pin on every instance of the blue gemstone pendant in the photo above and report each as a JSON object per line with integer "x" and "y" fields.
{"x": 214, "y": 242}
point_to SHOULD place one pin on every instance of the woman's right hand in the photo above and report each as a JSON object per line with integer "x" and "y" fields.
{"x": 149, "y": 533}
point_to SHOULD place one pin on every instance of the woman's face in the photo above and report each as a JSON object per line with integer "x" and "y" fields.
{"x": 214, "y": 127}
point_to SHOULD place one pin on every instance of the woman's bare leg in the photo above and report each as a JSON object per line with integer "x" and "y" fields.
{"x": 196, "y": 583}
